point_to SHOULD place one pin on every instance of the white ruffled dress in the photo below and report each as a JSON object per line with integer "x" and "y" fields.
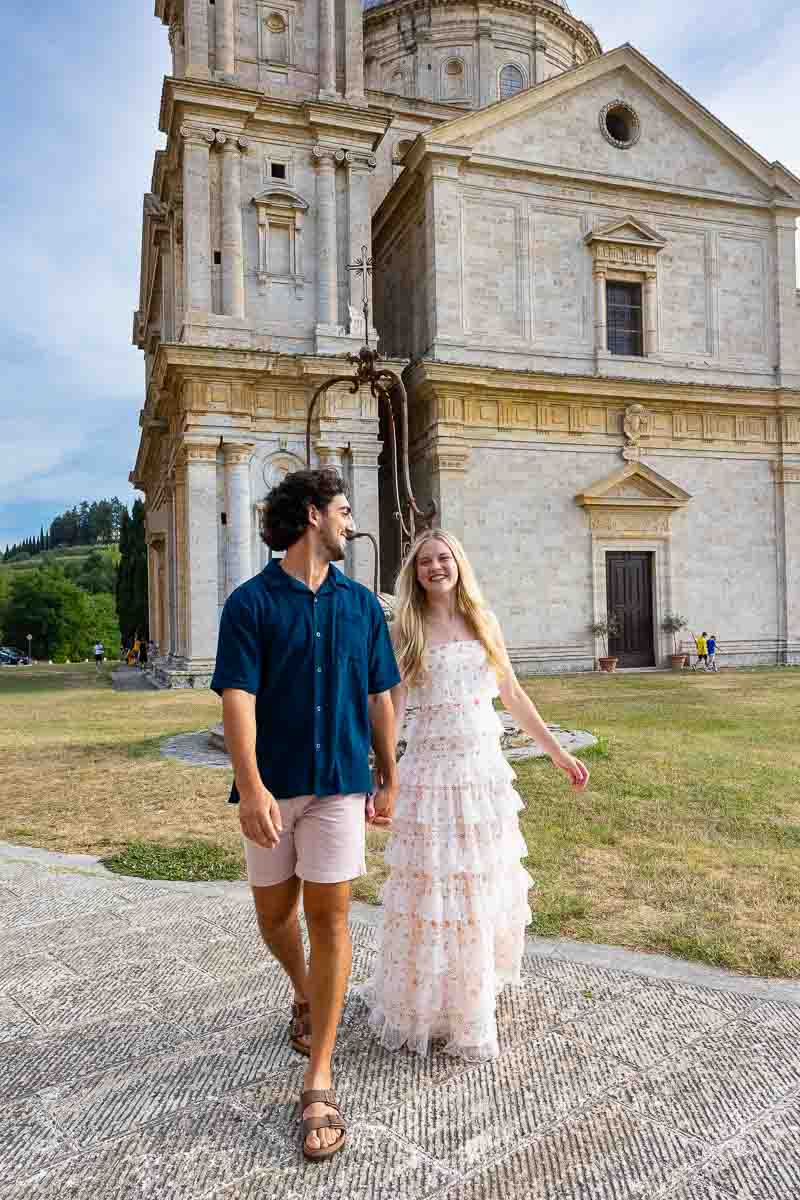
{"x": 456, "y": 901}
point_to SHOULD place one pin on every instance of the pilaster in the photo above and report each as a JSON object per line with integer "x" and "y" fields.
{"x": 238, "y": 509}
{"x": 327, "y": 50}
{"x": 199, "y": 537}
{"x": 195, "y": 29}
{"x": 232, "y": 230}
{"x": 197, "y": 143}
{"x": 327, "y": 263}
{"x": 359, "y": 168}
{"x": 226, "y": 39}
{"x": 363, "y": 470}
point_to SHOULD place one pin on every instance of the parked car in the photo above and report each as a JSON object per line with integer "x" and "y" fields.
{"x": 12, "y": 658}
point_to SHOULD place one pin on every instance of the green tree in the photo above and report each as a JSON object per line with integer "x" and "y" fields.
{"x": 103, "y": 624}
{"x": 132, "y": 608}
{"x": 54, "y": 610}
{"x": 95, "y": 573}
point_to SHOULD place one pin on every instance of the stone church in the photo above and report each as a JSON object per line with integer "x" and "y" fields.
{"x": 588, "y": 282}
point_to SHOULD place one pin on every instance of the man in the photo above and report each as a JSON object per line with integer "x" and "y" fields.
{"x": 305, "y": 667}
{"x": 711, "y": 650}
{"x": 702, "y": 651}
{"x": 99, "y": 654}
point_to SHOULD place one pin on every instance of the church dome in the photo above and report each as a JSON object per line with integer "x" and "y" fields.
{"x": 455, "y": 52}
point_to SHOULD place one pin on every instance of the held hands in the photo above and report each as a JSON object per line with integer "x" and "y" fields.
{"x": 260, "y": 817}
{"x": 573, "y": 768}
{"x": 380, "y": 803}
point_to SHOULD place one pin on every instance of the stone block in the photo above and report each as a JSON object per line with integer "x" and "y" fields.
{"x": 605, "y": 1154}
{"x": 644, "y": 1027}
{"x": 721, "y": 1085}
{"x": 115, "y": 1102}
{"x": 484, "y": 1113}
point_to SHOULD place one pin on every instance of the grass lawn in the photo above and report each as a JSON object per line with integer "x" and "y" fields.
{"x": 687, "y": 841}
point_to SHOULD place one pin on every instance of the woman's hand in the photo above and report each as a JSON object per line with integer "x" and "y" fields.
{"x": 576, "y": 771}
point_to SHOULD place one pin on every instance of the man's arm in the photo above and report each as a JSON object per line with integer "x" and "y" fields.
{"x": 381, "y": 719}
{"x": 259, "y": 812}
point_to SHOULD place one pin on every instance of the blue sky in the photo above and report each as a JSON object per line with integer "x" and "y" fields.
{"x": 81, "y": 91}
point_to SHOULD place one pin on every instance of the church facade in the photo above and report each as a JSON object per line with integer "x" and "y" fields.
{"x": 588, "y": 282}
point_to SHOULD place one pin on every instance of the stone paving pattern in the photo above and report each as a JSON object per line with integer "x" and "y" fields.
{"x": 143, "y": 1053}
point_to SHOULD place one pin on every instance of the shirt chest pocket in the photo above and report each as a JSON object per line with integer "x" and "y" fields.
{"x": 352, "y": 637}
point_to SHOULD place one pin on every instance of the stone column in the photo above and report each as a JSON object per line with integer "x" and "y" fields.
{"x": 600, "y": 313}
{"x": 487, "y": 86}
{"x": 354, "y": 52}
{"x": 327, "y": 50}
{"x": 232, "y": 232}
{"x": 195, "y": 32}
{"x": 327, "y": 266}
{"x": 359, "y": 234}
{"x": 196, "y": 219}
{"x": 650, "y": 315}
{"x": 200, "y": 594}
{"x": 179, "y": 562}
{"x": 449, "y": 465}
{"x": 787, "y": 508}
{"x": 155, "y": 550}
{"x": 226, "y": 38}
{"x": 238, "y": 511}
{"x": 178, "y": 49}
{"x": 364, "y": 500}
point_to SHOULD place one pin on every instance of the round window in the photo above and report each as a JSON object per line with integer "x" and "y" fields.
{"x": 619, "y": 124}
{"x": 454, "y": 67}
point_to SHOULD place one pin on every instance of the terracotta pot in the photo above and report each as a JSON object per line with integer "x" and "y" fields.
{"x": 677, "y": 661}
{"x": 608, "y": 664}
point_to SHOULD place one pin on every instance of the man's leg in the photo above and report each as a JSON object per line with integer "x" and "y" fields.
{"x": 276, "y": 909}
{"x": 327, "y": 907}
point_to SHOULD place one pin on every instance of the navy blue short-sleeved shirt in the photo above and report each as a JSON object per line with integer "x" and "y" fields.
{"x": 311, "y": 660}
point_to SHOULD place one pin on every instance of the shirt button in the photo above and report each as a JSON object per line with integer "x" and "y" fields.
{"x": 319, "y": 708}
{"x": 318, "y": 746}
{"x": 319, "y": 670}
{"x": 319, "y": 635}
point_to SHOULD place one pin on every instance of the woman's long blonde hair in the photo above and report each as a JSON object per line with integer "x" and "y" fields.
{"x": 408, "y": 627}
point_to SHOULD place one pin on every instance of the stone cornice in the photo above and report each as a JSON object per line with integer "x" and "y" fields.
{"x": 523, "y": 384}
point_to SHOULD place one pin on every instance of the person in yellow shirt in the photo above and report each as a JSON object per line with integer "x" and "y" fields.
{"x": 702, "y": 651}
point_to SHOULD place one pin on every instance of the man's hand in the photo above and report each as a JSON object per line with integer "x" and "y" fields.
{"x": 260, "y": 817}
{"x": 576, "y": 771}
{"x": 380, "y": 805}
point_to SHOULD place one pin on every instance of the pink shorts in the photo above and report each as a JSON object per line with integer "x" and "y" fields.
{"x": 323, "y": 841}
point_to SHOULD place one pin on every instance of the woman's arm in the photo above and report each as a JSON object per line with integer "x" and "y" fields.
{"x": 525, "y": 713}
{"x": 399, "y": 700}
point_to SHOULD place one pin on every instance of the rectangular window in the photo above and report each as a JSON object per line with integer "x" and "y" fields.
{"x": 280, "y": 250}
{"x": 624, "y": 316}
{"x": 278, "y": 170}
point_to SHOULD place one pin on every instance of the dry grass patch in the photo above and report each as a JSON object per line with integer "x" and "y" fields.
{"x": 686, "y": 841}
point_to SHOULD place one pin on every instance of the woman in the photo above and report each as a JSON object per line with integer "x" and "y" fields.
{"x": 456, "y": 900}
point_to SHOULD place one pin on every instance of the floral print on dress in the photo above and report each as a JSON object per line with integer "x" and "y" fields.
{"x": 456, "y": 900}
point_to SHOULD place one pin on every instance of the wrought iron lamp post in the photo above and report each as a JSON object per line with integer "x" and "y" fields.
{"x": 388, "y": 389}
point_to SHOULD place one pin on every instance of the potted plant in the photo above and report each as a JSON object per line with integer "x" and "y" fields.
{"x": 673, "y": 623}
{"x": 610, "y": 627}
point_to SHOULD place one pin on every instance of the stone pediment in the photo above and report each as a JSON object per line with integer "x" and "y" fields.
{"x": 634, "y": 486}
{"x": 278, "y": 197}
{"x": 628, "y": 232}
{"x": 558, "y": 124}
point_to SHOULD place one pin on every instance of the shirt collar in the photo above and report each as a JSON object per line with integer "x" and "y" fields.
{"x": 275, "y": 577}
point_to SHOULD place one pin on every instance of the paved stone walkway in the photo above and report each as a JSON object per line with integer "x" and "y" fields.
{"x": 143, "y": 1055}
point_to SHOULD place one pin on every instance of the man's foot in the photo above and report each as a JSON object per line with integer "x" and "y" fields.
{"x": 300, "y": 1027}
{"x": 323, "y": 1139}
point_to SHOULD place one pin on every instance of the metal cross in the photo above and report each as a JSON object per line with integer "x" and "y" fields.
{"x": 363, "y": 266}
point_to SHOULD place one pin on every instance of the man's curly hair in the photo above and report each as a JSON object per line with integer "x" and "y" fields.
{"x": 285, "y": 515}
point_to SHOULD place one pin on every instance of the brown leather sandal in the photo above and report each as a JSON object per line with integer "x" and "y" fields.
{"x": 299, "y": 1027}
{"x": 328, "y": 1121}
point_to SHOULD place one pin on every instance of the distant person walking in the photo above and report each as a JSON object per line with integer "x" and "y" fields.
{"x": 99, "y": 654}
{"x": 711, "y": 647}
{"x": 702, "y": 651}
